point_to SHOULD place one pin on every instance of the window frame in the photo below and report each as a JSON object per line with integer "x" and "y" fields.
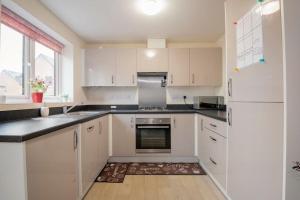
{"x": 29, "y": 72}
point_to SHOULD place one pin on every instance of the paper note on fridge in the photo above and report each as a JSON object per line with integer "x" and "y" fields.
{"x": 249, "y": 37}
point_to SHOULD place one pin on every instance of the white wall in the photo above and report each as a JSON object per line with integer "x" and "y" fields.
{"x": 221, "y": 91}
{"x": 129, "y": 95}
{"x": 39, "y": 15}
{"x": 291, "y": 47}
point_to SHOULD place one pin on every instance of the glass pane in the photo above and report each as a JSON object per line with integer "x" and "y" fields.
{"x": 153, "y": 139}
{"x": 45, "y": 66}
{"x": 11, "y": 61}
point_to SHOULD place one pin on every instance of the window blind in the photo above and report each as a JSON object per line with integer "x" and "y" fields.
{"x": 21, "y": 25}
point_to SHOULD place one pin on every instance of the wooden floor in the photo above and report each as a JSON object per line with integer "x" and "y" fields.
{"x": 165, "y": 187}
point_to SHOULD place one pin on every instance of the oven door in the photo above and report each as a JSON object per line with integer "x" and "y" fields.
{"x": 153, "y": 138}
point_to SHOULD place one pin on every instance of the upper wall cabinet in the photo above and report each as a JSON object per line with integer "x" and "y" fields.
{"x": 206, "y": 67}
{"x": 152, "y": 60}
{"x": 179, "y": 67}
{"x": 126, "y": 67}
{"x": 100, "y": 67}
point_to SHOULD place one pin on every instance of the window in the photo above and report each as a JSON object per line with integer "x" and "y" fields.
{"x": 12, "y": 61}
{"x": 26, "y": 52}
{"x": 45, "y": 67}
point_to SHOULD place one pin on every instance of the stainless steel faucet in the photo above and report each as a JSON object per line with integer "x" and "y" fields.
{"x": 66, "y": 109}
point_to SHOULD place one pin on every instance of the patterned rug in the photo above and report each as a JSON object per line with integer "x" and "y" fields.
{"x": 115, "y": 172}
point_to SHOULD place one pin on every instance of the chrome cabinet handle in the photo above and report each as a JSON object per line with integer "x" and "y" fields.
{"x": 212, "y": 138}
{"x": 174, "y": 121}
{"x": 297, "y": 166}
{"x": 132, "y": 122}
{"x": 201, "y": 124}
{"x": 213, "y": 162}
{"x": 75, "y": 140}
{"x": 91, "y": 128}
{"x": 133, "y": 79}
{"x": 229, "y": 117}
{"x": 213, "y": 125}
{"x": 171, "y": 78}
{"x": 229, "y": 87}
{"x": 112, "y": 79}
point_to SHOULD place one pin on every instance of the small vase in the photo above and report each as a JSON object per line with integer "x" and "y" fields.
{"x": 37, "y": 97}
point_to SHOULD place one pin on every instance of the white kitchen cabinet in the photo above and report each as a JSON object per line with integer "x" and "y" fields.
{"x": 100, "y": 67}
{"x": 103, "y": 142}
{"x": 202, "y": 144}
{"x": 52, "y": 166}
{"x": 89, "y": 149}
{"x": 123, "y": 135}
{"x": 206, "y": 67}
{"x": 179, "y": 67}
{"x": 216, "y": 126}
{"x": 152, "y": 60}
{"x": 255, "y": 151}
{"x": 126, "y": 73}
{"x": 183, "y": 135}
{"x": 216, "y": 160}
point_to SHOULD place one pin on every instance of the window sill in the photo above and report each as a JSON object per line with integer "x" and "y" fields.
{"x": 21, "y": 103}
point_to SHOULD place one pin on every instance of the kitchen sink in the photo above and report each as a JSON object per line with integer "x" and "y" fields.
{"x": 74, "y": 114}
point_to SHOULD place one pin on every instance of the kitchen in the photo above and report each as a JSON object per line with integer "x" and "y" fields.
{"x": 133, "y": 101}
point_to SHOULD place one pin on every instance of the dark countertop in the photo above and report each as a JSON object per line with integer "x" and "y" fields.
{"x": 22, "y": 130}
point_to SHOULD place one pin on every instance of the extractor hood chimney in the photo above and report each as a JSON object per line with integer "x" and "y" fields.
{"x": 156, "y": 43}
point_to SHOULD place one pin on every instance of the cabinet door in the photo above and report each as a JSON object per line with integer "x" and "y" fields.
{"x": 100, "y": 67}
{"x": 152, "y": 60}
{"x": 89, "y": 153}
{"x": 216, "y": 156}
{"x": 206, "y": 67}
{"x": 202, "y": 144}
{"x": 255, "y": 151}
{"x": 103, "y": 142}
{"x": 179, "y": 67}
{"x": 123, "y": 135}
{"x": 183, "y": 135}
{"x": 126, "y": 67}
{"x": 52, "y": 166}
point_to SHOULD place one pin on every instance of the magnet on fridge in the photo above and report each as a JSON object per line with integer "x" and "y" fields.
{"x": 237, "y": 69}
{"x": 262, "y": 61}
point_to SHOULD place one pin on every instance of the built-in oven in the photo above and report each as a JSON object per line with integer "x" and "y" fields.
{"x": 153, "y": 135}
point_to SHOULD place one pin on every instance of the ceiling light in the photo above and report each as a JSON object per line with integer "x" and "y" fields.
{"x": 269, "y": 7}
{"x": 150, "y": 53}
{"x": 150, "y": 7}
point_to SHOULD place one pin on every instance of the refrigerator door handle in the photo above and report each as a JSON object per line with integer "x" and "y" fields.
{"x": 230, "y": 87}
{"x": 229, "y": 117}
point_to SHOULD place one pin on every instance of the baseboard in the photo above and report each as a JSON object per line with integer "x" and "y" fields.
{"x": 219, "y": 186}
{"x": 152, "y": 159}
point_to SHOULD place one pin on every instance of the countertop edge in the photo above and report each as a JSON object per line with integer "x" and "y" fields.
{"x": 32, "y": 135}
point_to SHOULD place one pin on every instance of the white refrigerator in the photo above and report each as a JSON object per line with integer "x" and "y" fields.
{"x": 255, "y": 112}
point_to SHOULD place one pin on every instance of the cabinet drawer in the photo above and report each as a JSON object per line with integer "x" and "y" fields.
{"x": 216, "y": 126}
{"x": 216, "y": 156}
{"x": 91, "y": 126}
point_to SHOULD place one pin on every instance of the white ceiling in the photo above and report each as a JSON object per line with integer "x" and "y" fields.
{"x": 120, "y": 21}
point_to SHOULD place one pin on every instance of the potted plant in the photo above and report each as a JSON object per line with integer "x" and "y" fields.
{"x": 39, "y": 87}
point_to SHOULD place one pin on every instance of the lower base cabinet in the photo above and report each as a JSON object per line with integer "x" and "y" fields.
{"x": 93, "y": 151}
{"x": 183, "y": 135}
{"x": 123, "y": 135}
{"x": 52, "y": 166}
{"x": 212, "y": 148}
